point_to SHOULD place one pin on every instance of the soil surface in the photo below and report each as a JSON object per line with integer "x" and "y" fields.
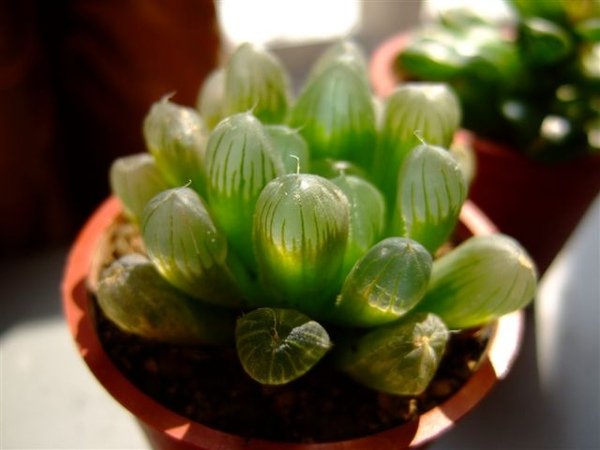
{"x": 208, "y": 385}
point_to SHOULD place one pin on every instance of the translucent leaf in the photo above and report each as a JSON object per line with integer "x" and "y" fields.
{"x": 134, "y": 296}
{"x": 345, "y": 51}
{"x": 480, "y": 280}
{"x": 186, "y": 246}
{"x": 432, "y": 55}
{"x": 367, "y": 216}
{"x": 400, "y": 358}
{"x": 291, "y": 147}
{"x": 431, "y": 192}
{"x": 135, "y": 179}
{"x": 211, "y": 98}
{"x": 332, "y": 168}
{"x": 544, "y": 42}
{"x": 276, "y": 346}
{"x": 386, "y": 283}
{"x": 240, "y": 161}
{"x": 413, "y": 113}
{"x": 335, "y": 115}
{"x": 300, "y": 234}
{"x": 256, "y": 81}
{"x": 176, "y": 137}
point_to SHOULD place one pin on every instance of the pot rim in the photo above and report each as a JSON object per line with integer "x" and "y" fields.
{"x": 503, "y": 348}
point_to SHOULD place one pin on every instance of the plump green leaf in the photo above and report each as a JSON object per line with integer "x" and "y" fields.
{"x": 367, "y": 216}
{"x": 135, "y": 179}
{"x": 300, "y": 234}
{"x": 480, "y": 280}
{"x": 345, "y": 51}
{"x": 211, "y": 98}
{"x": 176, "y": 136}
{"x": 186, "y": 246}
{"x": 256, "y": 81}
{"x": 134, "y": 296}
{"x": 276, "y": 346}
{"x": 386, "y": 283}
{"x": 399, "y": 358}
{"x": 544, "y": 42}
{"x": 335, "y": 115}
{"x": 240, "y": 161}
{"x": 291, "y": 147}
{"x": 413, "y": 113}
{"x": 431, "y": 54}
{"x": 431, "y": 192}
{"x": 333, "y": 168}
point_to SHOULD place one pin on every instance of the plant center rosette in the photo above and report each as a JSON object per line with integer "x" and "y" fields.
{"x": 301, "y": 251}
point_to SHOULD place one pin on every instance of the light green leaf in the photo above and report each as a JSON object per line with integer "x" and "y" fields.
{"x": 400, "y": 358}
{"x": 176, "y": 136}
{"x": 335, "y": 115}
{"x": 135, "y": 179}
{"x": 276, "y": 346}
{"x": 413, "y": 113}
{"x": 134, "y": 296}
{"x": 291, "y": 147}
{"x": 386, "y": 283}
{"x": 482, "y": 279}
{"x": 187, "y": 248}
{"x": 300, "y": 234}
{"x": 256, "y": 81}
{"x": 367, "y": 216}
{"x": 211, "y": 98}
{"x": 431, "y": 192}
{"x": 240, "y": 161}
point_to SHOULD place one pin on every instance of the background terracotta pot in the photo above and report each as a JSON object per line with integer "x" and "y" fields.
{"x": 167, "y": 430}
{"x": 538, "y": 204}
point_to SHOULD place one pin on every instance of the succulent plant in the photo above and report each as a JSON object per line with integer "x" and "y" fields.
{"x": 295, "y": 228}
{"x": 532, "y": 82}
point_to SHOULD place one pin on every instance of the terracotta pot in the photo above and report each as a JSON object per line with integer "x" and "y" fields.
{"x": 167, "y": 430}
{"x": 538, "y": 204}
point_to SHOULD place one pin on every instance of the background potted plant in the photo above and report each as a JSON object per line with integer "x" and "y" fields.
{"x": 230, "y": 296}
{"x": 530, "y": 91}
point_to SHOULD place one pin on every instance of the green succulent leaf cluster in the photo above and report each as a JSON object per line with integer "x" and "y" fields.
{"x": 539, "y": 73}
{"x": 300, "y": 227}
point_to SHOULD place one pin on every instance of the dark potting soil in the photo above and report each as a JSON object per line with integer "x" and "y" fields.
{"x": 209, "y": 386}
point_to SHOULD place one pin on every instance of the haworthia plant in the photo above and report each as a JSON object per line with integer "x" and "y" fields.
{"x": 482, "y": 279}
{"x": 187, "y": 248}
{"x": 276, "y": 346}
{"x": 240, "y": 161}
{"x": 400, "y": 358}
{"x": 176, "y": 136}
{"x": 281, "y": 235}
{"x": 300, "y": 234}
{"x": 134, "y": 296}
{"x": 135, "y": 179}
{"x": 385, "y": 284}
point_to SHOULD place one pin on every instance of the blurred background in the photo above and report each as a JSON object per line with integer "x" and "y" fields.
{"x": 76, "y": 79}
